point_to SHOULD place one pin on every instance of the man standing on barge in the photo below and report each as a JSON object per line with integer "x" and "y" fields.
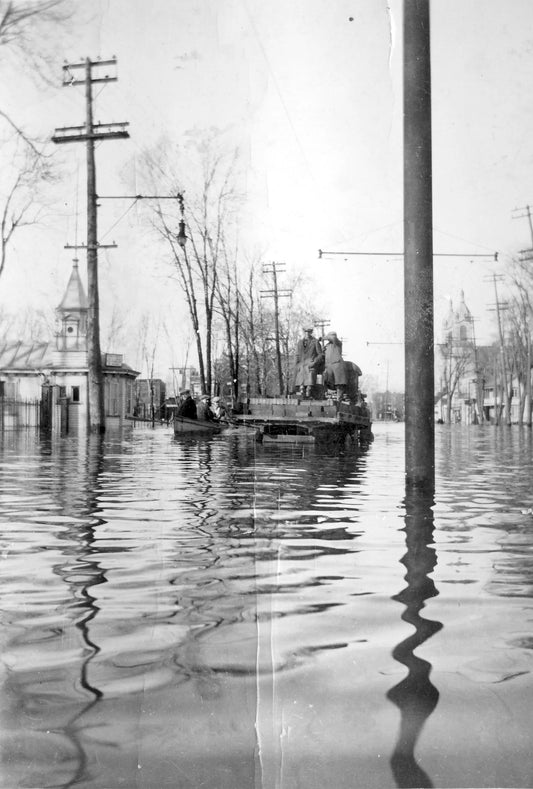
{"x": 308, "y": 355}
{"x": 335, "y": 376}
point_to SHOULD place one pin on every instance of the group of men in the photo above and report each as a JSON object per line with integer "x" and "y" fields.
{"x": 202, "y": 410}
{"x": 316, "y": 357}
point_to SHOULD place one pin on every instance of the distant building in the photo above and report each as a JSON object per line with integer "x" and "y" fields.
{"x": 45, "y": 383}
{"x": 459, "y": 399}
{"x": 468, "y": 375}
{"x": 150, "y": 393}
{"x": 187, "y": 378}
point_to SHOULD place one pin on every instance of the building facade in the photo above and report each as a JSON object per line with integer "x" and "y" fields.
{"x": 460, "y": 393}
{"x": 45, "y": 384}
{"x": 469, "y": 383}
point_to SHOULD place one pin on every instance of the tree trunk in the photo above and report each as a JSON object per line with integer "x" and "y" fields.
{"x": 200, "y": 353}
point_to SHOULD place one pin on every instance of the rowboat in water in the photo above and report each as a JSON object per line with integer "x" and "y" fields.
{"x": 185, "y": 426}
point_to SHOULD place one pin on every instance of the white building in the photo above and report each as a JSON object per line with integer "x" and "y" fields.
{"x": 45, "y": 383}
{"x": 469, "y": 382}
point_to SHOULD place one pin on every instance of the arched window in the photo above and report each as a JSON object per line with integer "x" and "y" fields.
{"x": 463, "y": 333}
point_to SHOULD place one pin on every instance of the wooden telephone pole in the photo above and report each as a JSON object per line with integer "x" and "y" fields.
{"x": 277, "y": 294}
{"x": 89, "y": 133}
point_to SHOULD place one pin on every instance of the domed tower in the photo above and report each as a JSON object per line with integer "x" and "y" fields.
{"x": 458, "y": 325}
{"x": 463, "y": 323}
{"x": 72, "y": 315}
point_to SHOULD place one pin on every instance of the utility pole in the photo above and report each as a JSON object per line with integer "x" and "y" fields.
{"x": 526, "y": 212}
{"x": 89, "y": 133}
{"x": 274, "y": 268}
{"x": 506, "y": 385}
{"x": 418, "y": 248}
{"x": 479, "y": 379}
{"x": 321, "y": 323}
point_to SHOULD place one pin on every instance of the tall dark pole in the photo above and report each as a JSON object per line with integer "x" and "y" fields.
{"x": 94, "y": 356}
{"x": 89, "y": 133}
{"x": 418, "y": 248}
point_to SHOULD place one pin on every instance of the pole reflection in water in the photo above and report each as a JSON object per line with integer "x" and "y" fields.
{"x": 87, "y": 563}
{"x": 415, "y": 696}
{"x": 51, "y": 491}
{"x": 80, "y": 576}
{"x": 80, "y": 570}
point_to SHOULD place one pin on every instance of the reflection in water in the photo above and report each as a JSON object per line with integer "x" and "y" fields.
{"x": 220, "y": 614}
{"x": 80, "y": 571}
{"x": 415, "y": 696}
{"x": 87, "y": 566}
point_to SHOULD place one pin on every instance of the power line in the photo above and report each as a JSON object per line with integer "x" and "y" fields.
{"x": 494, "y": 256}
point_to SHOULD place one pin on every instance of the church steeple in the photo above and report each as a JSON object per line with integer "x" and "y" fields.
{"x": 72, "y": 315}
{"x": 463, "y": 313}
{"x": 458, "y": 324}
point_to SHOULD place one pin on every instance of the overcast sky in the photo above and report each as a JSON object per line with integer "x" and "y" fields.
{"x": 311, "y": 91}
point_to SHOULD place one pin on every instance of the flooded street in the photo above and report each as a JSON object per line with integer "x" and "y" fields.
{"x": 215, "y": 613}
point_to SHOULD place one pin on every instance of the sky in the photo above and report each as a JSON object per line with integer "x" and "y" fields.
{"x": 311, "y": 93}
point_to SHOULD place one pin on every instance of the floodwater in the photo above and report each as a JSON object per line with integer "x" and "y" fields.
{"x": 215, "y": 613}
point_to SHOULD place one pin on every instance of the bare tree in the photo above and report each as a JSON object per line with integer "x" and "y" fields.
{"x": 197, "y": 242}
{"x": 257, "y": 320}
{"x": 519, "y": 315}
{"x": 29, "y": 32}
{"x": 149, "y": 333}
{"x": 28, "y": 44}
{"x": 20, "y": 205}
{"x": 26, "y": 27}
{"x": 228, "y": 307}
{"x": 200, "y": 230}
{"x": 115, "y": 330}
{"x": 458, "y": 358}
{"x": 28, "y": 325}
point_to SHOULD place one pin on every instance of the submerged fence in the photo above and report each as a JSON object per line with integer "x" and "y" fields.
{"x": 19, "y": 413}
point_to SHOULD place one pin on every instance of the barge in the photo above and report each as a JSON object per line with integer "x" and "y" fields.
{"x": 294, "y": 420}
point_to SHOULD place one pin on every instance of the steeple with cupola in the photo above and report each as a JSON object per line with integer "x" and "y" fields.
{"x": 71, "y": 318}
{"x": 458, "y": 324}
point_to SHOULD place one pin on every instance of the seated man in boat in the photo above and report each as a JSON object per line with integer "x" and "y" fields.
{"x": 308, "y": 359}
{"x": 204, "y": 409}
{"x": 219, "y": 410}
{"x": 187, "y": 406}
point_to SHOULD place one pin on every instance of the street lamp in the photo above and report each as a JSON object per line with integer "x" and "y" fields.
{"x": 182, "y": 236}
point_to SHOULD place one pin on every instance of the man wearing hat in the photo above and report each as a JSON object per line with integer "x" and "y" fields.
{"x": 204, "y": 409}
{"x": 335, "y": 373}
{"x": 308, "y": 359}
{"x": 187, "y": 406}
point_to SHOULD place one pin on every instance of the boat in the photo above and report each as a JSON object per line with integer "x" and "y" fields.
{"x": 185, "y": 426}
{"x": 294, "y": 420}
